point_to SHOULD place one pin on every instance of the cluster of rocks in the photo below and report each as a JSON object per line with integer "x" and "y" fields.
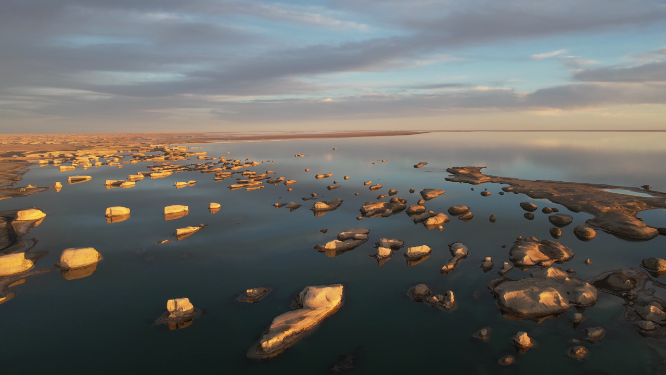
{"x": 346, "y": 241}
{"x": 422, "y": 293}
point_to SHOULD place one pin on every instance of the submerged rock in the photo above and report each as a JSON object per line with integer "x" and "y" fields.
{"x": 656, "y": 265}
{"x": 429, "y": 194}
{"x": 561, "y": 220}
{"x": 578, "y": 352}
{"x": 584, "y": 233}
{"x": 254, "y": 295}
{"x": 529, "y": 252}
{"x": 506, "y": 360}
{"x": 78, "y": 257}
{"x": 546, "y": 292}
{"x": 594, "y": 334}
{"x": 315, "y": 303}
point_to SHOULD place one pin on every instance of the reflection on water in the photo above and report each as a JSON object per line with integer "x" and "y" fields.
{"x": 249, "y": 243}
{"x": 79, "y": 273}
{"x": 629, "y": 192}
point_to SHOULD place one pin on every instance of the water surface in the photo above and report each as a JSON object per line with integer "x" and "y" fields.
{"x": 102, "y": 323}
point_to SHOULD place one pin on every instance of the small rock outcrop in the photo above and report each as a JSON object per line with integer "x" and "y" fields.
{"x": 422, "y": 293}
{"x": 654, "y": 265}
{"x": 415, "y": 210}
{"x": 555, "y": 232}
{"x": 528, "y": 206}
{"x": 429, "y": 194}
{"x": 417, "y": 252}
{"x": 560, "y": 220}
{"x": 546, "y": 292}
{"x": 522, "y": 341}
{"x": 174, "y": 209}
{"x": 530, "y": 252}
{"x": 384, "y": 209}
{"x": 594, "y": 334}
{"x": 347, "y": 240}
{"x": 78, "y": 257}
{"x": 254, "y": 295}
{"x": 421, "y": 164}
{"x": 459, "y": 252}
{"x": 458, "y": 210}
{"x": 315, "y": 303}
{"x": 584, "y": 233}
{"x": 29, "y": 214}
{"x": 11, "y": 264}
{"x": 326, "y": 206}
{"x": 117, "y": 211}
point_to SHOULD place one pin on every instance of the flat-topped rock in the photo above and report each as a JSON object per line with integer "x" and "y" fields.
{"x": 78, "y": 257}
{"x": 29, "y": 214}
{"x": 415, "y": 209}
{"x": 529, "y": 252}
{"x": 315, "y": 303}
{"x": 429, "y": 194}
{"x": 180, "y": 308}
{"x": 546, "y": 292}
{"x": 390, "y": 243}
{"x": 175, "y": 209}
{"x": 417, "y": 252}
{"x": 117, "y": 211}
{"x": 11, "y": 264}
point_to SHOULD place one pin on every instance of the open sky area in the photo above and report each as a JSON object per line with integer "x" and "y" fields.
{"x": 246, "y": 65}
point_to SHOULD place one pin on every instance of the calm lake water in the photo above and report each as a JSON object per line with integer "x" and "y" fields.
{"x": 103, "y": 323}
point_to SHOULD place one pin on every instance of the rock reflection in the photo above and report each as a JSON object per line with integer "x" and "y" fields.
{"x": 79, "y": 273}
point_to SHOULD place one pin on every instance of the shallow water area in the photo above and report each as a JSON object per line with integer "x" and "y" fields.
{"x": 105, "y": 319}
{"x": 629, "y": 192}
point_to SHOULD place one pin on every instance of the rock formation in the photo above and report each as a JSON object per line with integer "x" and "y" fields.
{"x": 545, "y": 293}
{"x": 78, "y": 257}
{"x": 530, "y": 252}
{"x": 429, "y": 194}
{"x": 315, "y": 303}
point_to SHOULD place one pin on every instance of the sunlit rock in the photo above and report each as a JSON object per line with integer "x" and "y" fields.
{"x": 168, "y": 210}
{"x": 29, "y": 215}
{"x": 458, "y": 210}
{"x": 429, "y": 194}
{"x": 11, "y": 264}
{"x": 528, "y": 252}
{"x": 584, "y": 233}
{"x": 546, "y": 292}
{"x": 117, "y": 211}
{"x": 315, "y": 303}
{"x": 78, "y": 257}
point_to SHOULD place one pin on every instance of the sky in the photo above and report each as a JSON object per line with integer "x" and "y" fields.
{"x": 245, "y": 65}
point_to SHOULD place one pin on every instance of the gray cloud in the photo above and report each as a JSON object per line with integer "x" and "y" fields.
{"x": 653, "y": 72}
{"x": 139, "y": 58}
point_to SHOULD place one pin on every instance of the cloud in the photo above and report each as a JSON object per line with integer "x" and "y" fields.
{"x": 540, "y": 56}
{"x": 653, "y": 72}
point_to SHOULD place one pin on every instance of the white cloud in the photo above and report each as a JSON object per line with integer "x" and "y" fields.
{"x": 546, "y": 55}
